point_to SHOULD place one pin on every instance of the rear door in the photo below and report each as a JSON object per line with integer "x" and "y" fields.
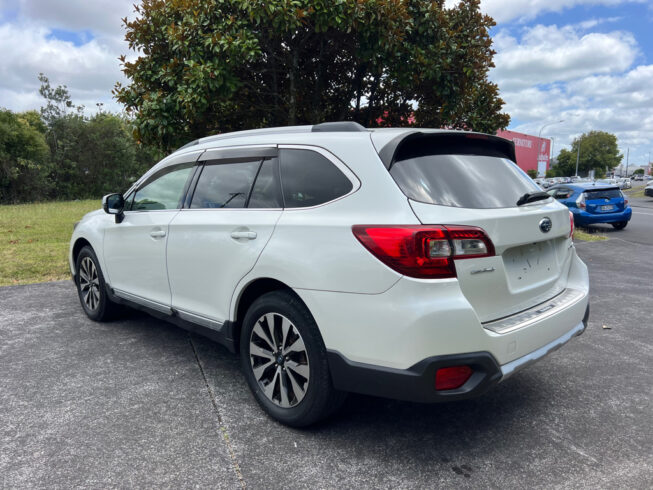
{"x": 600, "y": 201}
{"x": 224, "y": 226}
{"x": 455, "y": 184}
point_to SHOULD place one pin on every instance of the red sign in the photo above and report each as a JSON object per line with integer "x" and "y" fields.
{"x": 532, "y": 152}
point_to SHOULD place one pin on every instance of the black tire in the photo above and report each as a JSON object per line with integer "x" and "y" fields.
{"x": 320, "y": 399}
{"x": 620, "y": 225}
{"x": 94, "y": 299}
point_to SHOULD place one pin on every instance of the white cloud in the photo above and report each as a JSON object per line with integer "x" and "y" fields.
{"x": 508, "y": 10}
{"x": 588, "y": 80}
{"x": 90, "y": 70}
{"x": 548, "y": 54}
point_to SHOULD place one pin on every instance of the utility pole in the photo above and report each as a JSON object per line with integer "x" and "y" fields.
{"x": 578, "y": 154}
{"x": 627, "y": 157}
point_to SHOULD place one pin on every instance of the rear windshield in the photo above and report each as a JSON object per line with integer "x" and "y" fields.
{"x": 463, "y": 181}
{"x": 602, "y": 194}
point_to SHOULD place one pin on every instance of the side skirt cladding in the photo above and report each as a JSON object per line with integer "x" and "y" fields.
{"x": 222, "y": 334}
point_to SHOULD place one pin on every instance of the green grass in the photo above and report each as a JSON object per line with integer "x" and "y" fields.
{"x": 636, "y": 193}
{"x": 584, "y": 236}
{"x": 34, "y": 240}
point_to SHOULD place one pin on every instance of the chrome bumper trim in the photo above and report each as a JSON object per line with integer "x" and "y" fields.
{"x": 564, "y": 300}
{"x": 509, "y": 369}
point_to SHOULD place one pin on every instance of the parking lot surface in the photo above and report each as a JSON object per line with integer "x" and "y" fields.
{"x": 138, "y": 402}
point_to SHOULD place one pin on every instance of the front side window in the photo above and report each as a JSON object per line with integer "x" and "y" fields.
{"x": 309, "y": 179}
{"x": 225, "y": 185}
{"x": 266, "y": 192}
{"x": 163, "y": 191}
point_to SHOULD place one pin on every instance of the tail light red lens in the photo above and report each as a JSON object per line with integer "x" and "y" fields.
{"x": 453, "y": 377}
{"x": 426, "y": 252}
{"x": 571, "y": 225}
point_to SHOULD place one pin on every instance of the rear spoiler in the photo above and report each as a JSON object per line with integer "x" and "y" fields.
{"x": 414, "y": 144}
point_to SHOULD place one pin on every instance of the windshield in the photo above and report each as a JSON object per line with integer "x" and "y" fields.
{"x": 464, "y": 181}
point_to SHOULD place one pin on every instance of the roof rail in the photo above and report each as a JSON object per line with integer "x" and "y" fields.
{"x": 187, "y": 145}
{"x": 338, "y": 126}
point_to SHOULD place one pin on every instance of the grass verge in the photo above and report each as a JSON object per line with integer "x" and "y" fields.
{"x": 583, "y": 235}
{"x": 34, "y": 240}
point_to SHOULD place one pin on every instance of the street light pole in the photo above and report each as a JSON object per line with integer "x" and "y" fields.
{"x": 539, "y": 136}
{"x": 627, "y": 158}
{"x": 578, "y": 154}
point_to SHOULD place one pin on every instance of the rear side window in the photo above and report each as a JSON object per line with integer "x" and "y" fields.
{"x": 602, "y": 194}
{"x": 309, "y": 179}
{"x": 463, "y": 181}
{"x": 225, "y": 185}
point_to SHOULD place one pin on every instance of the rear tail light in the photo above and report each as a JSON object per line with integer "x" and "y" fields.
{"x": 426, "y": 252}
{"x": 453, "y": 377}
{"x": 571, "y": 225}
{"x": 580, "y": 202}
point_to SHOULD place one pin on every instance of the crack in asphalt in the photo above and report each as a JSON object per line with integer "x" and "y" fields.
{"x": 223, "y": 427}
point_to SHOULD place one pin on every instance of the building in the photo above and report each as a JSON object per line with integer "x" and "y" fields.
{"x": 533, "y": 153}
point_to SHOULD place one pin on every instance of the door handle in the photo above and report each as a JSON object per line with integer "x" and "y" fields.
{"x": 250, "y": 235}
{"x": 157, "y": 234}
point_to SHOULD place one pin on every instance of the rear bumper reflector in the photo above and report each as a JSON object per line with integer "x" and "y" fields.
{"x": 564, "y": 300}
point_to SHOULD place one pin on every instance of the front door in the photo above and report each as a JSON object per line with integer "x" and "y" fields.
{"x": 135, "y": 249}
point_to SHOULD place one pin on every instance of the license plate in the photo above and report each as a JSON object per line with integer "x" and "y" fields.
{"x": 609, "y": 207}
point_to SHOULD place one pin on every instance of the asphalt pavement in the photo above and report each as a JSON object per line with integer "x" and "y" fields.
{"x": 141, "y": 403}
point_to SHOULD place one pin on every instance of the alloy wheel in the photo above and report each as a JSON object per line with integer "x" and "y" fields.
{"x": 279, "y": 360}
{"x": 89, "y": 284}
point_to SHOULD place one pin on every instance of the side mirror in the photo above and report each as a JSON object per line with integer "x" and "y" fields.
{"x": 114, "y": 204}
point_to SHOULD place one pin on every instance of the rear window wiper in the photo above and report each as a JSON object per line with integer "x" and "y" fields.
{"x": 532, "y": 197}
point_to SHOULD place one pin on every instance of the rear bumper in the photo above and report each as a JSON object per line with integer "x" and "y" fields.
{"x": 417, "y": 383}
{"x": 648, "y": 191}
{"x": 585, "y": 218}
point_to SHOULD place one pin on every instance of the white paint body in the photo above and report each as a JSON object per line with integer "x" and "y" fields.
{"x": 365, "y": 310}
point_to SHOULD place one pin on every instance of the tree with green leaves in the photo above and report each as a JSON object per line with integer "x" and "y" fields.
{"x": 532, "y": 173}
{"x": 598, "y": 152}
{"x": 209, "y": 66}
{"x": 24, "y": 157}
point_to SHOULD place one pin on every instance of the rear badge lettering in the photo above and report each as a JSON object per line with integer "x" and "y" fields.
{"x": 480, "y": 271}
{"x": 545, "y": 225}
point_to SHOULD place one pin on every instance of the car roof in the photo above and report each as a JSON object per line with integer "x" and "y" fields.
{"x": 589, "y": 186}
{"x": 326, "y": 135}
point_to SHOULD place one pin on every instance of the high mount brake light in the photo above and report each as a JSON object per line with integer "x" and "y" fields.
{"x": 426, "y": 252}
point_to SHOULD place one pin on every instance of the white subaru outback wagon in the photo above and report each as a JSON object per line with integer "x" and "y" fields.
{"x": 414, "y": 264}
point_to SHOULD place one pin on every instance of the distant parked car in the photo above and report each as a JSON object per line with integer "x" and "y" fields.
{"x": 595, "y": 203}
{"x": 625, "y": 183}
{"x": 648, "y": 190}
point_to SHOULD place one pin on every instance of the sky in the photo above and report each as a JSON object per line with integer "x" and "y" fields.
{"x": 563, "y": 67}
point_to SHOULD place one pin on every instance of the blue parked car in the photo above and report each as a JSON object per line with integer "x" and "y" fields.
{"x": 593, "y": 203}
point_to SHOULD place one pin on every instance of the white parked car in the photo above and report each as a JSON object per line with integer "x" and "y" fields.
{"x": 408, "y": 263}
